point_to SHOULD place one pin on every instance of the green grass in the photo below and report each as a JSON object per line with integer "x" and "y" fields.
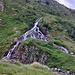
{"x": 20, "y": 69}
{"x": 56, "y": 57}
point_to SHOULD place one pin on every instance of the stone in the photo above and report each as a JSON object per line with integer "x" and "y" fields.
{"x": 1, "y": 6}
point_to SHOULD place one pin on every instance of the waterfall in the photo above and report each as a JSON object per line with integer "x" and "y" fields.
{"x": 62, "y": 48}
{"x": 31, "y": 33}
{"x": 11, "y": 51}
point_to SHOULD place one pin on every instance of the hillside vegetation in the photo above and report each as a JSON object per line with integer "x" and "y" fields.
{"x": 20, "y": 69}
{"x": 33, "y": 50}
{"x": 58, "y": 21}
{"x": 19, "y": 16}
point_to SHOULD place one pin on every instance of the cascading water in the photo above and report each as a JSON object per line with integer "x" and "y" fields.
{"x": 11, "y": 51}
{"x": 32, "y": 33}
{"x": 62, "y": 48}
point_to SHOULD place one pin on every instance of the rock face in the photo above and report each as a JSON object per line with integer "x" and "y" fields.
{"x": 29, "y": 54}
{"x": 1, "y": 5}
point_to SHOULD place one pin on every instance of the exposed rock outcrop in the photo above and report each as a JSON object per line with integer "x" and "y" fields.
{"x": 31, "y": 54}
{"x": 1, "y": 5}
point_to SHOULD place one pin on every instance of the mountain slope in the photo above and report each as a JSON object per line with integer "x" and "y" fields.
{"x": 58, "y": 22}
{"x": 33, "y": 50}
{"x": 18, "y": 16}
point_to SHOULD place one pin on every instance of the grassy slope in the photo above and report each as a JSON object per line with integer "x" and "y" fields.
{"x": 19, "y": 16}
{"x": 20, "y": 69}
{"x": 56, "y": 57}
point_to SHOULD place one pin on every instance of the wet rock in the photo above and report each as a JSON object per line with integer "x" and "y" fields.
{"x": 0, "y": 20}
{"x": 62, "y": 72}
{"x": 43, "y": 58}
{"x": 29, "y": 55}
{"x": 1, "y": 5}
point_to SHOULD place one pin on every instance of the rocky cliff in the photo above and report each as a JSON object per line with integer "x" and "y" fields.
{"x": 29, "y": 54}
{"x": 1, "y": 5}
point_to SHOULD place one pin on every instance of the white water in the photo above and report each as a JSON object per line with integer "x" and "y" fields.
{"x": 34, "y": 33}
{"x": 36, "y": 23}
{"x": 10, "y": 51}
{"x": 24, "y": 37}
{"x": 62, "y": 48}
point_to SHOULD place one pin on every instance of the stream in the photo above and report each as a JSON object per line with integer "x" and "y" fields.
{"x": 32, "y": 33}
{"x": 61, "y": 48}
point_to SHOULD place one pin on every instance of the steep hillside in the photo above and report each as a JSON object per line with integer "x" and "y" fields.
{"x": 19, "y": 16}
{"x": 33, "y": 50}
{"x": 57, "y": 23}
